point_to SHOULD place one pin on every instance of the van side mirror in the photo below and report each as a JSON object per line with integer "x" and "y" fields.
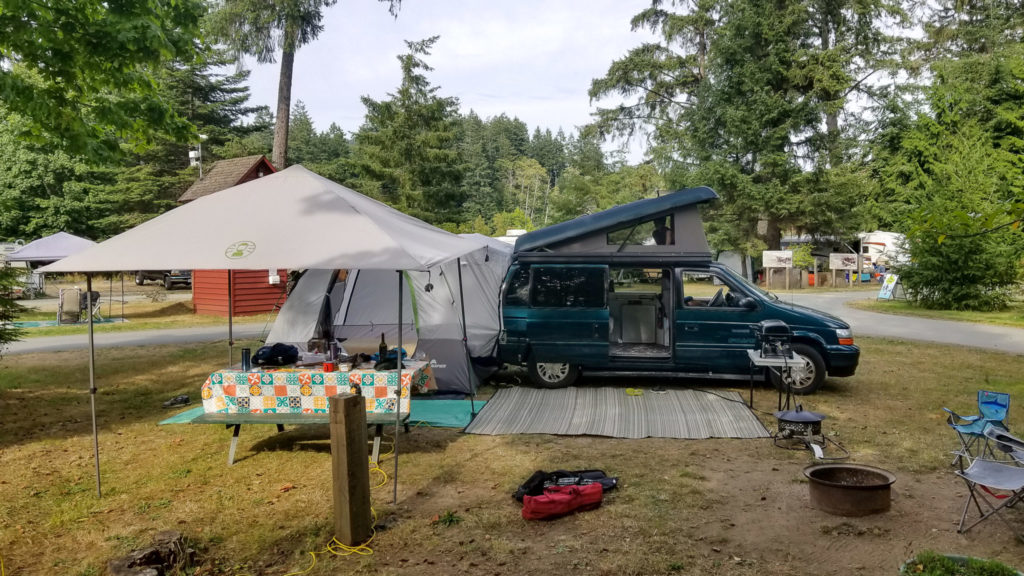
{"x": 748, "y": 303}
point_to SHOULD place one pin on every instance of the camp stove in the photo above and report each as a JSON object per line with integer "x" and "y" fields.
{"x": 773, "y": 338}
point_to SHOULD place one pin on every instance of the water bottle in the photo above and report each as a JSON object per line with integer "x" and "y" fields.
{"x": 246, "y": 360}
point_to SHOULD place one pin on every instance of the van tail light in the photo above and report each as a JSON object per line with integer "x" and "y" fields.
{"x": 845, "y": 336}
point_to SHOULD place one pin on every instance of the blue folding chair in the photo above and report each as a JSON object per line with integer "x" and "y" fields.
{"x": 993, "y": 408}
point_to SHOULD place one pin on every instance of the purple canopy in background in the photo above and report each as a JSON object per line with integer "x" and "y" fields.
{"x": 50, "y": 248}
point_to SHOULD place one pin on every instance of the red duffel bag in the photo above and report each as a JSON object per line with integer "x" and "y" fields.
{"x": 558, "y": 501}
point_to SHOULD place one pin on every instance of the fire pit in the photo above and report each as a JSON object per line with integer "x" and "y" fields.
{"x": 849, "y": 489}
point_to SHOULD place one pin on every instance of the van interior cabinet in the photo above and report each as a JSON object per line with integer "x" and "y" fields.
{"x": 639, "y": 323}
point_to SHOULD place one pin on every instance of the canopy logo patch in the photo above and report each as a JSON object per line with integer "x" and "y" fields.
{"x": 240, "y": 249}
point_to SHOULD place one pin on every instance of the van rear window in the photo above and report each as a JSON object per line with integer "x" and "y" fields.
{"x": 569, "y": 287}
{"x": 518, "y": 291}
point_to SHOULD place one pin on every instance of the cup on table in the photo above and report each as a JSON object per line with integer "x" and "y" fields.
{"x": 328, "y": 366}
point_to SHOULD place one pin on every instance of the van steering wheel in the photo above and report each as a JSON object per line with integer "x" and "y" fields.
{"x": 717, "y": 299}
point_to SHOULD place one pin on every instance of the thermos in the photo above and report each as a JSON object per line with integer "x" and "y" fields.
{"x": 245, "y": 360}
{"x": 334, "y": 350}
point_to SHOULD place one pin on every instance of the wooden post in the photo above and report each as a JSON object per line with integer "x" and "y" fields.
{"x": 817, "y": 280}
{"x": 768, "y": 281}
{"x": 787, "y": 271}
{"x": 351, "y": 488}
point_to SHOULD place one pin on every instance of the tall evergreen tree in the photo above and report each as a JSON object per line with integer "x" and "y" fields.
{"x": 262, "y": 29}
{"x": 406, "y": 152}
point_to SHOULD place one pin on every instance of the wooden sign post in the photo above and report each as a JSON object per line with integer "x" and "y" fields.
{"x": 351, "y": 488}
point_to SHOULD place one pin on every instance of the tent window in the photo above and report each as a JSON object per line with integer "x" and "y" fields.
{"x": 569, "y": 286}
{"x": 656, "y": 232}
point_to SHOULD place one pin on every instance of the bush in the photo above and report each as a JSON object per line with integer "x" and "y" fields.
{"x": 961, "y": 273}
{"x": 9, "y": 309}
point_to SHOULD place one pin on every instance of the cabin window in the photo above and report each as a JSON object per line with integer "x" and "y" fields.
{"x": 518, "y": 291}
{"x": 569, "y": 286}
{"x": 655, "y": 232}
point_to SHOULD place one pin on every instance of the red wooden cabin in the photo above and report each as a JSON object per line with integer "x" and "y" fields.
{"x": 250, "y": 290}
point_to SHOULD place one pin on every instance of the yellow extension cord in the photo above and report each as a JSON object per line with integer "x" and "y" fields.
{"x": 336, "y": 548}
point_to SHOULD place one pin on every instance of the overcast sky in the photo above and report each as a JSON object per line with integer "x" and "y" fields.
{"x": 530, "y": 59}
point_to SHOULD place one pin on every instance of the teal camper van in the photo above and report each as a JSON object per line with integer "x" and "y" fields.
{"x": 633, "y": 290}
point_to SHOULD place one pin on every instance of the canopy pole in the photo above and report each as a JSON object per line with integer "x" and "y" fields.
{"x": 122, "y": 297}
{"x": 465, "y": 344}
{"x": 398, "y": 391}
{"x": 231, "y": 328}
{"x": 92, "y": 382}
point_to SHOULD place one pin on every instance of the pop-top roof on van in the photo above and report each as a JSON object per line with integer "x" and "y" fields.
{"x": 590, "y": 233}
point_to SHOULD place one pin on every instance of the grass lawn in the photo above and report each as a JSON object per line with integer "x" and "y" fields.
{"x": 1012, "y": 316}
{"x": 139, "y": 315}
{"x": 704, "y": 507}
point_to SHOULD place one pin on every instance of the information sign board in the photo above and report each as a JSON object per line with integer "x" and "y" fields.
{"x": 777, "y": 258}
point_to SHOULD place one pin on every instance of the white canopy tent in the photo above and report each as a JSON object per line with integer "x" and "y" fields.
{"x": 47, "y": 249}
{"x": 290, "y": 219}
{"x": 362, "y": 308}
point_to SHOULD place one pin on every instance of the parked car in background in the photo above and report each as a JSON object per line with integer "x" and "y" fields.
{"x": 169, "y": 278}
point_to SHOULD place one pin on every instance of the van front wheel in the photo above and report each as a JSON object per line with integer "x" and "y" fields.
{"x": 808, "y": 371}
{"x": 553, "y": 374}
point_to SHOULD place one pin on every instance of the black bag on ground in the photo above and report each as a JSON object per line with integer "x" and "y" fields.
{"x": 535, "y": 484}
{"x": 277, "y": 355}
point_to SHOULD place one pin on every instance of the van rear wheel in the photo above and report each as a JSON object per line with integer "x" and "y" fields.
{"x": 553, "y": 374}
{"x": 808, "y": 371}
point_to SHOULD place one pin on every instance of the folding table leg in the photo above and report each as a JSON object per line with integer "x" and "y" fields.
{"x": 234, "y": 443}
{"x": 378, "y": 429}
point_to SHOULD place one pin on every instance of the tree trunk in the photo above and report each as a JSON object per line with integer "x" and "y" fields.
{"x": 284, "y": 101}
{"x": 773, "y": 235}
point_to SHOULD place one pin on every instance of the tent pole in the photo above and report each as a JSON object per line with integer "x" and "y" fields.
{"x": 398, "y": 391}
{"x": 231, "y": 329}
{"x": 92, "y": 382}
{"x": 465, "y": 343}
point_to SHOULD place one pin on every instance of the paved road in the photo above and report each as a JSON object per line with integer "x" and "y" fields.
{"x": 863, "y": 323}
{"x": 136, "y": 338}
{"x": 866, "y": 323}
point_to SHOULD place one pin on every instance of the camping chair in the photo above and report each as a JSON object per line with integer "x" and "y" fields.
{"x": 83, "y": 306}
{"x": 993, "y": 408}
{"x": 984, "y": 477}
{"x": 1006, "y": 443}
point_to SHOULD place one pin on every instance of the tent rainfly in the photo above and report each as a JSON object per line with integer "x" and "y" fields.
{"x": 361, "y": 309}
{"x": 291, "y": 219}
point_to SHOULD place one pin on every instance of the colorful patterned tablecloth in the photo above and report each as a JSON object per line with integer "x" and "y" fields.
{"x": 297, "y": 391}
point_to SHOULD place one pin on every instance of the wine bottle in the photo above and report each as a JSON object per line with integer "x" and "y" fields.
{"x": 383, "y": 348}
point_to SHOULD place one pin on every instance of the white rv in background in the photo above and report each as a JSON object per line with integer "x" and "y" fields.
{"x": 880, "y": 247}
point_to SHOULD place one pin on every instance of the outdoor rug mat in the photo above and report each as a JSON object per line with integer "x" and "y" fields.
{"x": 443, "y": 413}
{"x": 609, "y": 411}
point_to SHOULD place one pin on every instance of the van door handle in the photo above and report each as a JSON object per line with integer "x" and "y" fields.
{"x": 690, "y": 327}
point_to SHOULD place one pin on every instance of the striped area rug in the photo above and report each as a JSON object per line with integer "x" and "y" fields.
{"x": 609, "y": 411}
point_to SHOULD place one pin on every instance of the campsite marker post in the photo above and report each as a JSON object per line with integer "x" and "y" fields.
{"x": 351, "y": 487}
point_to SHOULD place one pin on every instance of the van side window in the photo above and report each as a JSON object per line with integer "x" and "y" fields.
{"x": 569, "y": 286}
{"x": 518, "y": 291}
{"x": 708, "y": 290}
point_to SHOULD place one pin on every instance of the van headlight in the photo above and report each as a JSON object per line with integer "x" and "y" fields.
{"x": 845, "y": 336}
